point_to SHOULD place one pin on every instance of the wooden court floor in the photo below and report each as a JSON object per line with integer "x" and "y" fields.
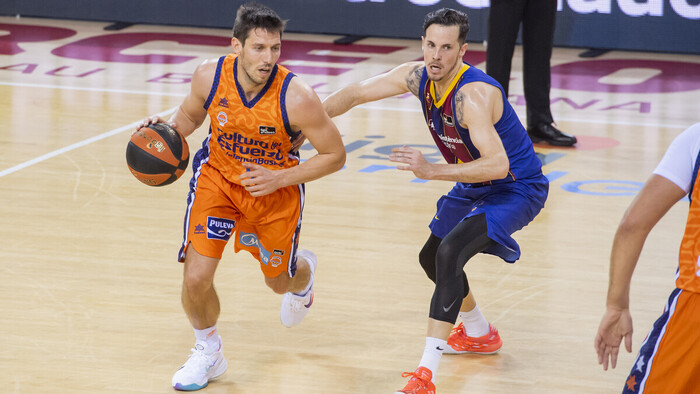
{"x": 89, "y": 300}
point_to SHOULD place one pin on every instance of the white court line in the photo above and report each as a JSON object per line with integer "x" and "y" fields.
{"x": 36, "y": 85}
{"x": 76, "y": 145}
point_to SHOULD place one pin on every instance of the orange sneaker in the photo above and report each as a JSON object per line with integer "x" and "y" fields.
{"x": 459, "y": 342}
{"x": 420, "y": 382}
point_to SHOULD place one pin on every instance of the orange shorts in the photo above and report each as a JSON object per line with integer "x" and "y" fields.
{"x": 268, "y": 227}
{"x": 669, "y": 359}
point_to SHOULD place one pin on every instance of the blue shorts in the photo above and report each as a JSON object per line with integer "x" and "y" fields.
{"x": 508, "y": 208}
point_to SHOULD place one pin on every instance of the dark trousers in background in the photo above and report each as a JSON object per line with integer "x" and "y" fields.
{"x": 537, "y": 18}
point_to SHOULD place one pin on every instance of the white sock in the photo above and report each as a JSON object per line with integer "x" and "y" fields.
{"x": 432, "y": 354}
{"x": 308, "y": 285}
{"x": 474, "y": 323}
{"x": 210, "y": 336}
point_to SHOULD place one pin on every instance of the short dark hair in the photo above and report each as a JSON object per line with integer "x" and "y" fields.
{"x": 448, "y": 17}
{"x": 253, "y": 16}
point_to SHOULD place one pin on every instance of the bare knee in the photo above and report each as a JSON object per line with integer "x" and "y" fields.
{"x": 278, "y": 284}
{"x": 196, "y": 283}
{"x": 198, "y": 275}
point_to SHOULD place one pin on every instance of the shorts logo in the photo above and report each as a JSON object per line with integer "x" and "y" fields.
{"x": 219, "y": 228}
{"x": 222, "y": 118}
{"x": 275, "y": 261}
{"x": 251, "y": 239}
{"x": 278, "y": 252}
{"x": 266, "y": 130}
{"x": 199, "y": 229}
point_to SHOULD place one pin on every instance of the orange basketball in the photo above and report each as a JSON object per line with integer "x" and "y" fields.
{"x": 157, "y": 154}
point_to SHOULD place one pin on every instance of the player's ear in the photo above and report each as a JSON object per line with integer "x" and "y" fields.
{"x": 462, "y": 50}
{"x": 237, "y": 45}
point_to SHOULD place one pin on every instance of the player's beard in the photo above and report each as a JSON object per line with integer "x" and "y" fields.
{"x": 254, "y": 77}
{"x": 447, "y": 74}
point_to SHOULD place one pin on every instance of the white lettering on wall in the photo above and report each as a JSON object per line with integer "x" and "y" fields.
{"x": 632, "y": 8}
{"x": 686, "y": 10}
{"x": 651, "y": 7}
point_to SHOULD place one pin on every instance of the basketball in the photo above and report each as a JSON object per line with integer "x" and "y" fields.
{"x": 157, "y": 154}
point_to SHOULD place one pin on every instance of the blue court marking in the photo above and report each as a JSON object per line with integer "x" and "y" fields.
{"x": 549, "y": 157}
{"x": 616, "y": 188}
{"x": 376, "y": 167}
{"x": 554, "y": 175}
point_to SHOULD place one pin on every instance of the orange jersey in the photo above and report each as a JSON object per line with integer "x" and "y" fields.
{"x": 255, "y": 131}
{"x": 688, "y": 262}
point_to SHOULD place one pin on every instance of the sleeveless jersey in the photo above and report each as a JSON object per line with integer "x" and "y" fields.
{"x": 689, "y": 256}
{"x": 255, "y": 131}
{"x": 453, "y": 140}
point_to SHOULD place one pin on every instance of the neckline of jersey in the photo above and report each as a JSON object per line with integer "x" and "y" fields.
{"x": 453, "y": 83}
{"x": 241, "y": 92}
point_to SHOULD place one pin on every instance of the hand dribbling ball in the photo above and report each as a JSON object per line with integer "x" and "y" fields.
{"x": 157, "y": 154}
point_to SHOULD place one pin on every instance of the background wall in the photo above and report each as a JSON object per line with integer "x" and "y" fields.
{"x": 651, "y": 25}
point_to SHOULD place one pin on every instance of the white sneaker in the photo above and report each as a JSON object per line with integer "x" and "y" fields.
{"x": 294, "y": 307}
{"x": 200, "y": 368}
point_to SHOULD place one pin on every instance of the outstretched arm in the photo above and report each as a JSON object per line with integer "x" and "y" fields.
{"x": 478, "y": 106}
{"x": 402, "y": 79}
{"x": 657, "y": 196}
{"x": 305, "y": 113}
{"x": 191, "y": 113}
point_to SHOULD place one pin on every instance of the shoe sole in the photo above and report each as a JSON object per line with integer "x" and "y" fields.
{"x": 451, "y": 350}
{"x": 194, "y": 387}
{"x": 468, "y": 351}
{"x": 537, "y": 140}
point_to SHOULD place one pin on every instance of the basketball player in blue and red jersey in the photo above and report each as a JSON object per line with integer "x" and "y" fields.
{"x": 669, "y": 358}
{"x": 248, "y": 182}
{"x": 500, "y": 187}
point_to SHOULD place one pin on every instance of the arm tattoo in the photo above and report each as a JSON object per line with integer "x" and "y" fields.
{"x": 459, "y": 111}
{"x": 413, "y": 80}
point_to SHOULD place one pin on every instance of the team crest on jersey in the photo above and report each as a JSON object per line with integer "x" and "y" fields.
{"x": 222, "y": 118}
{"x": 220, "y": 228}
{"x": 449, "y": 121}
{"x": 266, "y": 130}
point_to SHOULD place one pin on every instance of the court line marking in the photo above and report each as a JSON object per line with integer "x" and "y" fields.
{"x": 37, "y": 85}
{"x": 77, "y": 145}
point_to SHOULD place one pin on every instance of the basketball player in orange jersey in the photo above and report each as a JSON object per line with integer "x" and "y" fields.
{"x": 499, "y": 183}
{"x": 669, "y": 358}
{"x": 248, "y": 183}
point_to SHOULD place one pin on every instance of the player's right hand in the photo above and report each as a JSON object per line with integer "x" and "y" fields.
{"x": 152, "y": 120}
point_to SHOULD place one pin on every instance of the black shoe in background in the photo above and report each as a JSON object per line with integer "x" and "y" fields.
{"x": 551, "y": 135}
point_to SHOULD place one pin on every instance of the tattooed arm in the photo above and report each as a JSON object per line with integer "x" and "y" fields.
{"x": 402, "y": 79}
{"x": 413, "y": 78}
{"x": 478, "y": 106}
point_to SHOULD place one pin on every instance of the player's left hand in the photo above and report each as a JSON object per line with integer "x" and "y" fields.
{"x": 259, "y": 181}
{"x": 412, "y": 159}
{"x": 615, "y": 325}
